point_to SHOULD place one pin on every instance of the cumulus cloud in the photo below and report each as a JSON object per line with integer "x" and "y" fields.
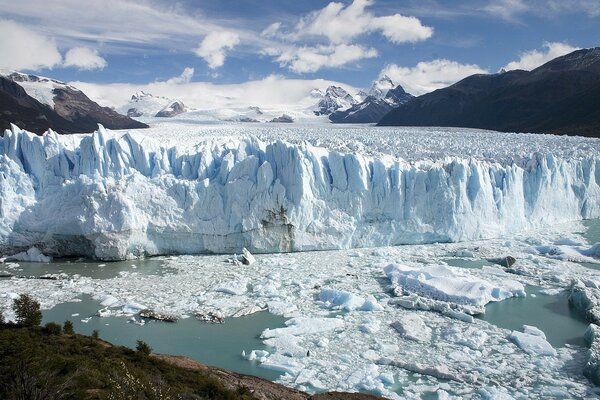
{"x": 185, "y": 77}
{"x": 271, "y": 92}
{"x": 534, "y": 58}
{"x": 22, "y": 48}
{"x": 311, "y": 59}
{"x": 214, "y": 46}
{"x": 84, "y": 58}
{"x": 341, "y": 24}
{"x": 428, "y": 76}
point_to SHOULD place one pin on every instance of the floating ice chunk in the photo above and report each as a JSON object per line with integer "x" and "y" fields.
{"x": 348, "y": 301}
{"x": 287, "y": 345}
{"x": 440, "y": 283}
{"x": 494, "y": 393}
{"x": 133, "y": 308}
{"x": 259, "y": 355}
{"x": 107, "y": 300}
{"x": 412, "y": 327}
{"x": 247, "y": 257}
{"x": 304, "y": 326}
{"x": 31, "y": 255}
{"x": 281, "y": 307}
{"x": 233, "y": 287}
{"x": 370, "y": 326}
{"x": 281, "y": 363}
{"x": 532, "y": 330}
{"x": 247, "y": 311}
{"x": 532, "y": 342}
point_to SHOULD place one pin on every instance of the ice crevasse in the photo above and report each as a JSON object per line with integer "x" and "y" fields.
{"x": 115, "y": 195}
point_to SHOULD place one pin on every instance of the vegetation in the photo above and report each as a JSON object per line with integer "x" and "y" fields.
{"x": 47, "y": 364}
{"x": 27, "y": 311}
{"x": 39, "y": 363}
{"x": 68, "y": 328}
{"x": 143, "y": 348}
{"x": 52, "y": 328}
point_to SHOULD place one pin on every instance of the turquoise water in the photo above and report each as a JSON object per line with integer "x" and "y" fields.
{"x": 552, "y": 314}
{"x": 592, "y": 231}
{"x": 219, "y": 345}
{"x": 92, "y": 269}
{"x": 467, "y": 262}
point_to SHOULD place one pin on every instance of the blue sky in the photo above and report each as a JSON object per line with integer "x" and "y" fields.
{"x": 422, "y": 44}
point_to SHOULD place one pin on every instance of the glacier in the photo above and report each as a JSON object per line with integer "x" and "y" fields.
{"x": 118, "y": 195}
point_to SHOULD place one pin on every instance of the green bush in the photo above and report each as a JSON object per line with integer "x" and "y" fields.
{"x": 53, "y": 328}
{"x": 27, "y": 311}
{"x": 68, "y": 328}
{"x": 143, "y": 348}
{"x": 95, "y": 334}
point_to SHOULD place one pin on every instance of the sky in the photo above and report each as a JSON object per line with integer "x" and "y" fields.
{"x": 421, "y": 44}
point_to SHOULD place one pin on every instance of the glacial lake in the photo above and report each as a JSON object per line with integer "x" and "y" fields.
{"x": 221, "y": 345}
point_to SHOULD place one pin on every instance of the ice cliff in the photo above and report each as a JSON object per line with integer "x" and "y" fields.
{"x": 113, "y": 196}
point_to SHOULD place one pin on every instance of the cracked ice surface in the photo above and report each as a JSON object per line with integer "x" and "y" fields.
{"x": 186, "y": 190}
{"x": 329, "y": 343}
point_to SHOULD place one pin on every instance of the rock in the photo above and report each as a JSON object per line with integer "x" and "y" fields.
{"x": 134, "y": 113}
{"x": 283, "y": 118}
{"x": 210, "y": 317}
{"x": 159, "y": 316}
{"x": 172, "y": 109}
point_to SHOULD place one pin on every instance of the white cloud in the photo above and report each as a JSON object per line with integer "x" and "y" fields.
{"x": 84, "y": 58}
{"x": 311, "y": 59}
{"x": 534, "y": 58}
{"x": 271, "y": 30}
{"x": 428, "y": 76}
{"x": 214, "y": 45}
{"x": 341, "y": 24}
{"x": 506, "y": 9}
{"x": 273, "y": 92}
{"x": 22, "y": 48}
{"x": 185, "y": 77}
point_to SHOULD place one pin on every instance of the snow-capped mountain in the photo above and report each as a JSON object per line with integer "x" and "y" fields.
{"x": 380, "y": 87}
{"x": 38, "y": 103}
{"x": 172, "y": 109}
{"x": 335, "y": 98}
{"x": 143, "y": 104}
{"x": 383, "y": 97}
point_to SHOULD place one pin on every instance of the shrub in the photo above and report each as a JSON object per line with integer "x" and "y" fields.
{"x": 95, "y": 334}
{"x": 143, "y": 348}
{"x": 53, "y": 328}
{"x": 27, "y": 310}
{"x": 68, "y": 328}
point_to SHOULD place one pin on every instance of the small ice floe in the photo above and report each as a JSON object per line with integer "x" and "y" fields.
{"x": 248, "y": 311}
{"x": 31, "y": 255}
{"x": 532, "y": 341}
{"x": 349, "y": 301}
{"x": 86, "y": 320}
{"x": 157, "y": 315}
{"x": 233, "y": 287}
{"x": 210, "y": 317}
{"x": 75, "y": 315}
{"x": 258, "y": 355}
{"x": 412, "y": 327}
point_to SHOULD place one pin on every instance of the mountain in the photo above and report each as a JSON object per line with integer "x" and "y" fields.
{"x": 560, "y": 97}
{"x": 143, "y": 104}
{"x": 38, "y": 104}
{"x": 335, "y": 98}
{"x": 172, "y": 109}
{"x": 383, "y": 97}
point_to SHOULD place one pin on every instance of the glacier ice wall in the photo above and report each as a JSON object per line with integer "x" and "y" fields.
{"x": 115, "y": 196}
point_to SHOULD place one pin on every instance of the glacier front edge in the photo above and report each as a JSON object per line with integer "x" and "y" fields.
{"x": 115, "y": 196}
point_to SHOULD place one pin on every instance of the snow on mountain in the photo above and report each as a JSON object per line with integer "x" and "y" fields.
{"x": 335, "y": 98}
{"x": 380, "y": 87}
{"x": 120, "y": 195}
{"x": 172, "y": 109}
{"x": 39, "y": 87}
{"x": 143, "y": 104}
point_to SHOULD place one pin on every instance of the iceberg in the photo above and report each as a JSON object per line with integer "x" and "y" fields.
{"x": 117, "y": 195}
